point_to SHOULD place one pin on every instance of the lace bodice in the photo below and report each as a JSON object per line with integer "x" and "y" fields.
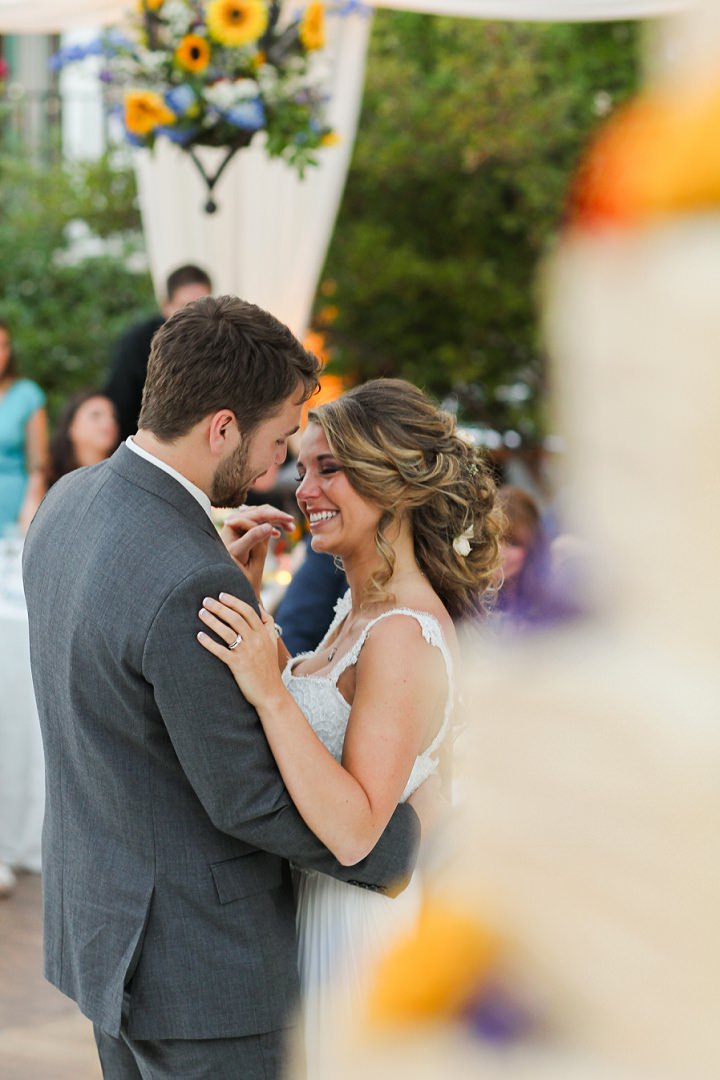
{"x": 327, "y": 710}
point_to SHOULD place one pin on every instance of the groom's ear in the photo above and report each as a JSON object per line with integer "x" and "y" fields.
{"x": 223, "y": 432}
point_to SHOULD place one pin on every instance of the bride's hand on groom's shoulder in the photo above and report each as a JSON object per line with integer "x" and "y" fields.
{"x": 247, "y": 645}
{"x": 247, "y": 533}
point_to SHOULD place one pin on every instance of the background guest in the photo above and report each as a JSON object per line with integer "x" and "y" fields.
{"x": 124, "y": 385}
{"x": 524, "y": 597}
{"x": 87, "y": 432}
{"x": 23, "y": 441}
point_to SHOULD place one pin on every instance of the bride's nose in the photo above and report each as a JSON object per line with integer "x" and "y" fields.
{"x": 305, "y": 488}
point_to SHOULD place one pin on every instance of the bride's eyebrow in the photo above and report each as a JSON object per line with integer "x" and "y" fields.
{"x": 320, "y": 458}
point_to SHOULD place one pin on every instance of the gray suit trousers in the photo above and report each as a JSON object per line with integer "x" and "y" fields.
{"x": 252, "y": 1057}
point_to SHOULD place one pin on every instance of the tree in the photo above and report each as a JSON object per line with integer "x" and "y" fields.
{"x": 469, "y": 134}
{"x": 66, "y": 307}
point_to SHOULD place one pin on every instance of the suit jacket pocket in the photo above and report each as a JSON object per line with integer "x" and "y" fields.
{"x": 247, "y": 875}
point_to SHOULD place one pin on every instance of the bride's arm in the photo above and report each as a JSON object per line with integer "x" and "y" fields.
{"x": 400, "y": 687}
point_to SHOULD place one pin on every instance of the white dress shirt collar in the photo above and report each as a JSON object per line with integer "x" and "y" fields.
{"x": 196, "y": 492}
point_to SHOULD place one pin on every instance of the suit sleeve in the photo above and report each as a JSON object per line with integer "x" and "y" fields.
{"x": 223, "y": 751}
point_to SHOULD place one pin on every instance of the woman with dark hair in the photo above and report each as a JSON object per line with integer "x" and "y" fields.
{"x": 23, "y": 441}
{"x": 388, "y": 487}
{"x": 86, "y": 433}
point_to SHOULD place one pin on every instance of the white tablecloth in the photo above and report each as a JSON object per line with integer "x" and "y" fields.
{"x": 22, "y": 773}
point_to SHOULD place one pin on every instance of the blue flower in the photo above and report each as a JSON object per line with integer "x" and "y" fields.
{"x": 181, "y": 136}
{"x": 134, "y": 140}
{"x": 180, "y": 99}
{"x": 70, "y": 54}
{"x": 114, "y": 40}
{"x": 247, "y": 114}
{"x": 352, "y": 6}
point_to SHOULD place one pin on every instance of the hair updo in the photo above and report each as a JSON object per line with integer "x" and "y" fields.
{"x": 403, "y": 453}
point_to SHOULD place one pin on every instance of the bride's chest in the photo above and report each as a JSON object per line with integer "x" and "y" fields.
{"x": 324, "y": 706}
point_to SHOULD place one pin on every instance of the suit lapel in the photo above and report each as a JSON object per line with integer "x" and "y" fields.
{"x": 136, "y": 470}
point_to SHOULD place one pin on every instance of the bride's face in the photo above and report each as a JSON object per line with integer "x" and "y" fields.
{"x": 341, "y": 521}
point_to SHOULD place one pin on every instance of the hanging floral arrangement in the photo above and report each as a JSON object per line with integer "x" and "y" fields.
{"x": 216, "y": 72}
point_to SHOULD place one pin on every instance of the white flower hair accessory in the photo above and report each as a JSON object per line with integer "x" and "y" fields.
{"x": 461, "y": 543}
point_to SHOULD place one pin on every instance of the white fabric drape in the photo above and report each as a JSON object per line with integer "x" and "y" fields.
{"x": 540, "y": 10}
{"x": 53, "y": 16}
{"x": 46, "y": 16}
{"x": 267, "y": 242}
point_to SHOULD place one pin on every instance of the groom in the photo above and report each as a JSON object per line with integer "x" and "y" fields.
{"x": 168, "y": 902}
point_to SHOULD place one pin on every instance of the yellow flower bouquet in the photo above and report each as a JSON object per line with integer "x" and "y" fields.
{"x": 215, "y": 72}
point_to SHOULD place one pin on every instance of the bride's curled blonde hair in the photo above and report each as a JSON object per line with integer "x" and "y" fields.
{"x": 403, "y": 453}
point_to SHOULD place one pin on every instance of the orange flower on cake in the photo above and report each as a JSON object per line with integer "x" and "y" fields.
{"x": 237, "y": 22}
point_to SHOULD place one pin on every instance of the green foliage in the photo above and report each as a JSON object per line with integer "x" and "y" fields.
{"x": 66, "y": 309}
{"x": 469, "y": 134}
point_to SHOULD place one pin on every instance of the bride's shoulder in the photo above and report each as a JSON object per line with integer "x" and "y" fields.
{"x": 425, "y": 602}
{"x": 421, "y": 610}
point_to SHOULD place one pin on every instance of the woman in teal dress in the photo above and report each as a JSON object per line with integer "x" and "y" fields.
{"x": 23, "y": 442}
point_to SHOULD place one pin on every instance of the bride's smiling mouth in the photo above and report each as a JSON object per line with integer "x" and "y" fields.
{"x": 320, "y": 517}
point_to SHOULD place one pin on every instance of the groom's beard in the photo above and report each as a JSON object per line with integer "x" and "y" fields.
{"x": 232, "y": 479}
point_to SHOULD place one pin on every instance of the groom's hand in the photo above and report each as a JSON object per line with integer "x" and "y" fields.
{"x": 247, "y": 533}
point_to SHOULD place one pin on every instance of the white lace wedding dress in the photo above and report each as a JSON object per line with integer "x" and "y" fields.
{"x": 342, "y": 928}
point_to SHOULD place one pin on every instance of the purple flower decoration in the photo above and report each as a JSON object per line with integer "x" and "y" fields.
{"x": 497, "y": 1017}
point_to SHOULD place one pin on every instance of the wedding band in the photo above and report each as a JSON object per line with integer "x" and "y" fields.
{"x": 235, "y": 643}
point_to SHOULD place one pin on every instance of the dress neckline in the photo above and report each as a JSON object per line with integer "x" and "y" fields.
{"x": 344, "y": 661}
{"x": 431, "y": 631}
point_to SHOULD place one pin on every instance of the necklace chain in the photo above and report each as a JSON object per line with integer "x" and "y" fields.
{"x": 406, "y": 573}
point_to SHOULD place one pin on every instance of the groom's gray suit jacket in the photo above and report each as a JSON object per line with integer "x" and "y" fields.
{"x": 167, "y": 825}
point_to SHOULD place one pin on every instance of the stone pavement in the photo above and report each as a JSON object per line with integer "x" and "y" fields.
{"x": 43, "y": 1036}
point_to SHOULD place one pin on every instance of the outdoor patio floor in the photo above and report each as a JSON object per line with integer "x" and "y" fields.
{"x": 43, "y": 1036}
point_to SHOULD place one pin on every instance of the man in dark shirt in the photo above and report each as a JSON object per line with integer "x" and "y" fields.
{"x": 124, "y": 385}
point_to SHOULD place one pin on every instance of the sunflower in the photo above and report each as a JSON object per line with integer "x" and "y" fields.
{"x": 150, "y": 5}
{"x": 237, "y": 22}
{"x": 144, "y": 111}
{"x": 193, "y": 53}
{"x": 312, "y": 27}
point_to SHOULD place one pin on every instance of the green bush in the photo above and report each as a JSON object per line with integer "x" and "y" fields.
{"x": 65, "y": 307}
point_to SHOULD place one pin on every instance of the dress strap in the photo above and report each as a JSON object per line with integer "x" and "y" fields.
{"x": 343, "y": 607}
{"x": 431, "y": 631}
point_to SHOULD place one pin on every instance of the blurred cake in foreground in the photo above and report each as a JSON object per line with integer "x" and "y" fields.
{"x": 586, "y": 855}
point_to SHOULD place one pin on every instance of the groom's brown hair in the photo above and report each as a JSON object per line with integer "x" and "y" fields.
{"x": 222, "y": 353}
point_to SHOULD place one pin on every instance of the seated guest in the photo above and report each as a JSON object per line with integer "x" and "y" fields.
{"x": 87, "y": 432}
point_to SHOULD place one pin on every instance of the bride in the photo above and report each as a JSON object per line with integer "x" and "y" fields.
{"x": 387, "y": 486}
